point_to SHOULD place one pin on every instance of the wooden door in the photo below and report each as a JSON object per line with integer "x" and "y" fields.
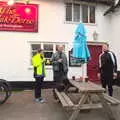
{"x": 93, "y": 64}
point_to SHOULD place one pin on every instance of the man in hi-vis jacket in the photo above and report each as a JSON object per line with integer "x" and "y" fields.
{"x": 38, "y": 62}
{"x": 108, "y": 68}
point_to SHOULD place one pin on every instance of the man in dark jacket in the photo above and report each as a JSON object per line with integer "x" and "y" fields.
{"x": 108, "y": 68}
{"x": 60, "y": 67}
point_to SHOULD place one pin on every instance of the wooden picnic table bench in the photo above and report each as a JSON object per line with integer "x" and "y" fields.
{"x": 87, "y": 90}
{"x": 64, "y": 99}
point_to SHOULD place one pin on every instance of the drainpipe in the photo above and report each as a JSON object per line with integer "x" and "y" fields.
{"x": 112, "y": 8}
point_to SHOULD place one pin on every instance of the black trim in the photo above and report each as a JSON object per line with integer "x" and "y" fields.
{"x": 105, "y": 2}
{"x": 112, "y": 8}
{"x": 21, "y": 85}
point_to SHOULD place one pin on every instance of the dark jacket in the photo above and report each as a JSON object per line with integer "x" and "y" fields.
{"x": 106, "y": 63}
{"x": 56, "y": 64}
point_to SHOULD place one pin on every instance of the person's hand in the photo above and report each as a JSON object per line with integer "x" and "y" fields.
{"x": 60, "y": 60}
{"x": 114, "y": 75}
{"x": 98, "y": 75}
{"x": 44, "y": 60}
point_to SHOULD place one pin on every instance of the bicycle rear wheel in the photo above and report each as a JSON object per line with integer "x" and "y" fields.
{"x": 3, "y": 93}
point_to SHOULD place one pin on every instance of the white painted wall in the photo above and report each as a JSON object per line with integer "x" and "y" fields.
{"x": 103, "y": 24}
{"x": 15, "y": 46}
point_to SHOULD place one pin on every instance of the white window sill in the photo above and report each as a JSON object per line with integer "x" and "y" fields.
{"x": 47, "y": 67}
{"x": 71, "y": 22}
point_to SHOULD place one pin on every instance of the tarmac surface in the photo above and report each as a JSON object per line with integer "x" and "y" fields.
{"x": 21, "y": 106}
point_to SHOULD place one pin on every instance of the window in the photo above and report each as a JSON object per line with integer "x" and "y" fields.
{"x": 48, "y": 51}
{"x": 69, "y": 12}
{"x": 85, "y": 14}
{"x": 76, "y": 9}
{"x": 80, "y": 12}
{"x": 35, "y": 47}
{"x": 92, "y": 14}
{"x": 48, "y": 48}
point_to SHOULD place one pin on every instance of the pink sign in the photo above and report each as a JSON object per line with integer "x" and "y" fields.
{"x": 19, "y": 17}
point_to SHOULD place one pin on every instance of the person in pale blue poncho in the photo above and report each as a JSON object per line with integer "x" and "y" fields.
{"x": 80, "y": 49}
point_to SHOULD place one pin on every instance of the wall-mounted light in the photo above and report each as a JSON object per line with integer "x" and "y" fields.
{"x": 27, "y": 1}
{"x": 11, "y": 2}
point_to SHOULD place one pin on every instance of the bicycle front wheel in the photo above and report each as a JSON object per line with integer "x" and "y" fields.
{"x": 3, "y": 93}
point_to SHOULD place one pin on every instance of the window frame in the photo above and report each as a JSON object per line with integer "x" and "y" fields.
{"x": 81, "y": 4}
{"x": 54, "y": 49}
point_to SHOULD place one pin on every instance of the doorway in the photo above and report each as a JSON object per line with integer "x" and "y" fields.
{"x": 93, "y": 64}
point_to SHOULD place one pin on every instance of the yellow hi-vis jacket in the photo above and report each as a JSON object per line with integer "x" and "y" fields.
{"x": 39, "y": 65}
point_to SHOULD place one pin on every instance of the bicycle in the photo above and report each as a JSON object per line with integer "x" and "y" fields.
{"x": 5, "y": 91}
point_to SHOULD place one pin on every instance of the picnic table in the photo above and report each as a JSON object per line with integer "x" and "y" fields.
{"x": 86, "y": 90}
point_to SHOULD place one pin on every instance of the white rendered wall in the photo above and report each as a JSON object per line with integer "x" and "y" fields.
{"x": 15, "y": 46}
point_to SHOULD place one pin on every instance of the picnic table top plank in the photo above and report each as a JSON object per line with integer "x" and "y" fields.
{"x": 87, "y": 86}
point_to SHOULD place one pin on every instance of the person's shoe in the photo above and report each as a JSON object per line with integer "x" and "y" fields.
{"x": 41, "y": 100}
{"x": 37, "y": 100}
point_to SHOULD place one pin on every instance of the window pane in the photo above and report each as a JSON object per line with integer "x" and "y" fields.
{"x": 48, "y": 54}
{"x": 48, "y": 61}
{"x": 33, "y": 53}
{"x": 68, "y": 12}
{"x": 76, "y": 13}
{"x": 92, "y": 14}
{"x": 85, "y": 13}
{"x": 48, "y": 47}
{"x": 36, "y": 46}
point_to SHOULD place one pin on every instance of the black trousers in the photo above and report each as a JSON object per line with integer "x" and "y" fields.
{"x": 106, "y": 80}
{"x": 38, "y": 86}
{"x": 61, "y": 80}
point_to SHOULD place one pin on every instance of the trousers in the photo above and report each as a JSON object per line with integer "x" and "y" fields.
{"x": 106, "y": 80}
{"x": 61, "y": 80}
{"x": 38, "y": 86}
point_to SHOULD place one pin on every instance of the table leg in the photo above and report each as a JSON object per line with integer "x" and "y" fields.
{"x": 76, "y": 111}
{"x": 66, "y": 89}
{"x": 106, "y": 106}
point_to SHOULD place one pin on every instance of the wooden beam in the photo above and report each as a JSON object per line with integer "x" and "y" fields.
{"x": 67, "y": 99}
{"x": 62, "y": 100}
{"x": 106, "y": 107}
{"x": 89, "y": 106}
{"x": 112, "y": 100}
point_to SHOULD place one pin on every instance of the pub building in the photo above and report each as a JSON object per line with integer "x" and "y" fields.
{"x": 26, "y": 25}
